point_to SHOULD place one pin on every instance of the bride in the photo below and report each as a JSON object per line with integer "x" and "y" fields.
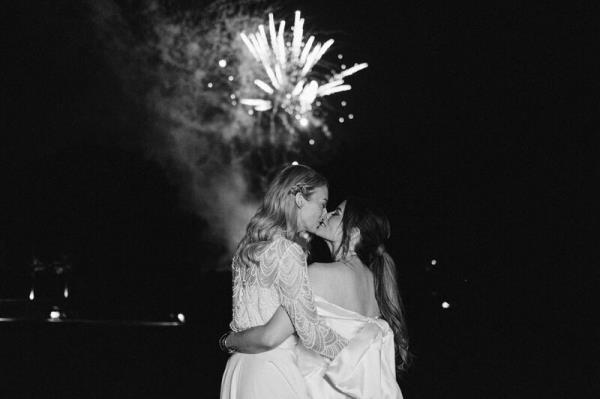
{"x": 358, "y": 297}
{"x": 269, "y": 272}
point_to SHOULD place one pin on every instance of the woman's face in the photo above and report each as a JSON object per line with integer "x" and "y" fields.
{"x": 331, "y": 227}
{"x": 313, "y": 210}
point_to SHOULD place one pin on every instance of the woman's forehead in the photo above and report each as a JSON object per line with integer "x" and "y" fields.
{"x": 320, "y": 193}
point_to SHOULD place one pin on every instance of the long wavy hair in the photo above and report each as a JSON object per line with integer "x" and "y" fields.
{"x": 374, "y": 230}
{"x": 278, "y": 214}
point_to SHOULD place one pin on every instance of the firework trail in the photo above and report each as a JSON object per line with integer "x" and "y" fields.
{"x": 292, "y": 86}
{"x": 225, "y": 108}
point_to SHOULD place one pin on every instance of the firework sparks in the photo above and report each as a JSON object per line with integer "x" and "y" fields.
{"x": 288, "y": 66}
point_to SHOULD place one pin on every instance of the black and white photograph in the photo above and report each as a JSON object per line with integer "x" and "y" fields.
{"x": 284, "y": 199}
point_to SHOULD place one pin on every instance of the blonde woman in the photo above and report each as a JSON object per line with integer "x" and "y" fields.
{"x": 269, "y": 272}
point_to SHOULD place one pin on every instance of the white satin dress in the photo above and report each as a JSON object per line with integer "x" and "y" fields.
{"x": 364, "y": 369}
{"x": 279, "y": 278}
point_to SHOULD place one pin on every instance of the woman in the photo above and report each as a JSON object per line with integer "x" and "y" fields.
{"x": 358, "y": 297}
{"x": 269, "y": 271}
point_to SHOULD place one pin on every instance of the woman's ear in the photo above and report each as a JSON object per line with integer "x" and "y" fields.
{"x": 300, "y": 200}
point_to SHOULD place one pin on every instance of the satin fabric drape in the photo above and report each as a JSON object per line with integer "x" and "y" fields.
{"x": 365, "y": 369}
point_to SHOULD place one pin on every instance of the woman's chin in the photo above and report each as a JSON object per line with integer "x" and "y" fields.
{"x": 316, "y": 233}
{"x": 320, "y": 232}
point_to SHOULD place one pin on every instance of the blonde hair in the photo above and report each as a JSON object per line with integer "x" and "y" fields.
{"x": 278, "y": 214}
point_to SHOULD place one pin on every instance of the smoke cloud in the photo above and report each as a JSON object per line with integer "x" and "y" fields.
{"x": 168, "y": 64}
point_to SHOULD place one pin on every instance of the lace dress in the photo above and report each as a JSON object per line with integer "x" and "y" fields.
{"x": 279, "y": 279}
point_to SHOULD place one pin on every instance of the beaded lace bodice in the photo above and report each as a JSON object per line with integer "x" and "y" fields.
{"x": 280, "y": 278}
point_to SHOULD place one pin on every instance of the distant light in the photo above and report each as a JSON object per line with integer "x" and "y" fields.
{"x": 340, "y": 56}
{"x": 66, "y": 292}
{"x": 350, "y": 116}
{"x": 181, "y": 317}
{"x": 31, "y": 295}
{"x": 230, "y": 78}
{"x": 222, "y": 63}
{"x": 343, "y": 66}
{"x": 232, "y": 96}
{"x": 433, "y": 262}
{"x": 55, "y": 314}
{"x": 341, "y": 120}
{"x": 311, "y": 142}
{"x": 210, "y": 85}
{"x": 304, "y": 123}
{"x": 234, "y": 102}
{"x": 250, "y": 112}
{"x": 295, "y": 163}
{"x": 445, "y": 305}
{"x": 344, "y": 103}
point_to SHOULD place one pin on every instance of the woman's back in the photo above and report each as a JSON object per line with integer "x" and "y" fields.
{"x": 347, "y": 284}
{"x": 366, "y": 367}
{"x": 255, "y": 293}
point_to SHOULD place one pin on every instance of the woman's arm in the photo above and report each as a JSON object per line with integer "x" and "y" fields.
{"x": 299, "y": 313}
{"x": 262, "y": 338}
{"x": 296, "y": 297}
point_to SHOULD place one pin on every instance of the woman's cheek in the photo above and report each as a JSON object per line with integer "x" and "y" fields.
{"x": 311, "y": 212}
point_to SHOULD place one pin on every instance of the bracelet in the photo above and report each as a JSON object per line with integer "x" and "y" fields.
{"x": 223, "y": 346}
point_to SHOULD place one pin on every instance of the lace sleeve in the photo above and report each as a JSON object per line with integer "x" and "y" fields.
{"x": 297, "y": 299}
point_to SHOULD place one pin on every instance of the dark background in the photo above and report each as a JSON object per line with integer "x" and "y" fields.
{"x": 474, "y": 130}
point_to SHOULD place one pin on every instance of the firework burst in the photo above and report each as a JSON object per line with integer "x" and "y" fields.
{"x": 227, "y": 109}
{"x": 290, "y": 86}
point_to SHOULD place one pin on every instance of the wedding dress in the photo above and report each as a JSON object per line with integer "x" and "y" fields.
{"x": 364, "y": 369}
{"x": 279, "y": 278}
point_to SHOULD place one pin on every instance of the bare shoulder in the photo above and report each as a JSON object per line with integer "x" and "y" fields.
{"x": 325, "y": 271}
{"x": 317, "y": 267}
{"x": 332, "y": 281}
{"x": 315, "y": 271}
{"x": 319, "y": 275}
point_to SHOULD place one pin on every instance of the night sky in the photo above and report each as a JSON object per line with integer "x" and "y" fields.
{"x": 474, "y": 131}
